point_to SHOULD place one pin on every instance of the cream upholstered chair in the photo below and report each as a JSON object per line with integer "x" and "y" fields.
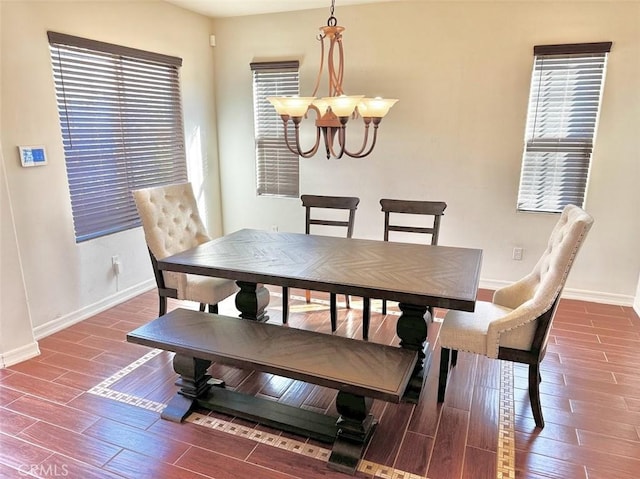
{"x": 171, "y": 225}
{"x": 515, "y": 325}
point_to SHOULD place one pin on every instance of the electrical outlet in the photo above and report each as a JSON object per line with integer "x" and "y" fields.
{"x": 274, "y": 228}
{"x": 517, "y": 254}
{"x": 116, "y": 265}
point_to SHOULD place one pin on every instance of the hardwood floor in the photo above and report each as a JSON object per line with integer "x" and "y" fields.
{"x": 88, "y": 407}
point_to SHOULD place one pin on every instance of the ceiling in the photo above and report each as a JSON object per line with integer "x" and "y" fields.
{"x": 234, "y": 8}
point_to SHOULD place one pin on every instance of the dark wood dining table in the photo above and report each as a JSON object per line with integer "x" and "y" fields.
{"x": 416, "y": 276}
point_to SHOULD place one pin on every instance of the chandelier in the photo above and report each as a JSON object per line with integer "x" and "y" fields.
{"x": 332, "y": 112}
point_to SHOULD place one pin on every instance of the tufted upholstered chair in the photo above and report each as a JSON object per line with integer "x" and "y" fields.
{"x": 515, "y": 325}
{"x": 171, "y": 225}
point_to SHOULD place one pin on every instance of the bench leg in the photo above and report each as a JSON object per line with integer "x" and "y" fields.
{"x": 355, "y": 427}
{"x": 412, "y": 331}
{"x": 251, "y": 301}
{"x": 193, "y": 383}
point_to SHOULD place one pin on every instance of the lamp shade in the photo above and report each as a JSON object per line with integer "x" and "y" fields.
{"x": 343, "y": 105}
{"x": 375, "y": 107}
{"x": 294, "y": 106}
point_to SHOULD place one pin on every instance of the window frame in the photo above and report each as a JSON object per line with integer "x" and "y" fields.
{"x": 120, "y": 112}
{"x": 277, "y": 168}
{"x": 563, "y": 110}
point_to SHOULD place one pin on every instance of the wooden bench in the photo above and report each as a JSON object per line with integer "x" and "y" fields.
{"x": 359, "y": 370}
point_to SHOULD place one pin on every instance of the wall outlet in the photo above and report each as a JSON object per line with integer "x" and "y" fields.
{"x": 274, "y": 228}
{"x": 517, "y": 254}
{"x": 116, "y": 265}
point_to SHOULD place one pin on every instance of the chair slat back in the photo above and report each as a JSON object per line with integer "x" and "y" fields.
{"x": 413, "y": 207}
{"x": 314, "y": 204}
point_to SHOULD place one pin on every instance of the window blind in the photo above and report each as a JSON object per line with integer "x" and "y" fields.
{"x": 121, "y": 120}
{"x": 564, "y": 103}
{"x": 277, "y": 168}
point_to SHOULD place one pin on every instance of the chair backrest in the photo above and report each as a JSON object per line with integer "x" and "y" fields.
{"x": 535, "y": 297}
{"x": 170, "y": 219}
{"x": 313, "y": 203}
{"x": 428, "y": 208}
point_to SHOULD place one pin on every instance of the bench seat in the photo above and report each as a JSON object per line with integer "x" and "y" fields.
{"x": 361, "y": 371}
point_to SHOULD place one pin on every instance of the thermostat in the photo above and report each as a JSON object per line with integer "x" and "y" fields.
{"x": 32, "y": 155}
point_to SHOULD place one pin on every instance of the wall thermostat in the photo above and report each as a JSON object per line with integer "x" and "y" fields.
{"x": 32, "y": 155}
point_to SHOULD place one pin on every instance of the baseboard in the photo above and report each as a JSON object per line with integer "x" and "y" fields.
{"x": 63, "y": 322}
{"x": 570, "y": 293}
{"x": 19, "y": 354}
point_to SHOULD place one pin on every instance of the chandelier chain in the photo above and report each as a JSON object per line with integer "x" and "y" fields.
{"x": 332, "y": 21}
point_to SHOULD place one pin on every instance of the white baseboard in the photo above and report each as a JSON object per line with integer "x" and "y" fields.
{"x": 570, "y": 293}
{"x": 19, "y": 354}
{"x": 63, "y": 322}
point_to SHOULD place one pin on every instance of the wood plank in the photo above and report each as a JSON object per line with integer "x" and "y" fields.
{"x": 414, "y": 453}
{"x": 479, "y": 463}
{"x": 449, "y": 446}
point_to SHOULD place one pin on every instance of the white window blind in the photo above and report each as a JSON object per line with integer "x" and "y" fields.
{"x": 564, "y": 103}
{"x": 277, "y": 168}
{"x": 121, "y": 121}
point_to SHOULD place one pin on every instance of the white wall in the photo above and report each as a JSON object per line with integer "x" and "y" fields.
{"x": 461, "y": 72}
{"x": 66, "y": 281}
{"x": 16, "y": 335}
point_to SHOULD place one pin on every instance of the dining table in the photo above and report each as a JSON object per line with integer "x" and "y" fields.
{"x": 417, "y": 276}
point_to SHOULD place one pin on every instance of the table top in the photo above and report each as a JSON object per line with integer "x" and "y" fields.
{"x": 440, "y": 276}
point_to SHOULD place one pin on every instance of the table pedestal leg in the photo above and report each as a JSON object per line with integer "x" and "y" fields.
{"x": 412, "y": 331}
{"x": 251, "y": 301}
{"x": 355, "y": 426}
{"x": 193, "y": 383}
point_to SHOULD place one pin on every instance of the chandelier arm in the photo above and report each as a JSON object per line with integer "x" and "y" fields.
{"x": 365, "y": 140}
{"x": 335, "y": 79}
{"x": 340, "y": 65}
{"x": 318, "y": 78}
{"x": 331, "y": 69}
{"x": 341, "y": 131}
{"x": 298, "y": 150}
{"x": 373, "y": 144}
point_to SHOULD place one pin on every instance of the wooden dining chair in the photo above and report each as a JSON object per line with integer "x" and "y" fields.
{"x": 317, "y": 214}
{"x": 171, "y": 225}
{"x": 515, "y": 325}
{"x": 395, "y": 223}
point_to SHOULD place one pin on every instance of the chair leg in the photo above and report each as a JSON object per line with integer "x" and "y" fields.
{"x": 534, "y": 394}
{"x": 213, "y": 308}
{"x": 285, "y": 304}
{"x": 163, "y": 305}
{"x": 384, "y": 306}
{"x": 366, "y": 314}
{"x": 202, "y": 307}
{"x": 346, "y": 300}
{"x": 334, "y": 312}
{"x": 454, "y": 357}
{"x": 307, "y": 295}
{"x": 444, "y": 371}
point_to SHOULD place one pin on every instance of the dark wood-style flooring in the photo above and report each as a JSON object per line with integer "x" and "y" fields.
{"x": 51, "y": 425}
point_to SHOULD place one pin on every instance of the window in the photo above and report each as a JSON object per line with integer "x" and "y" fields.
{"x": 121, "y": 121}
{"x": 564, "y": 103}
{"x": 276, "y": 166}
